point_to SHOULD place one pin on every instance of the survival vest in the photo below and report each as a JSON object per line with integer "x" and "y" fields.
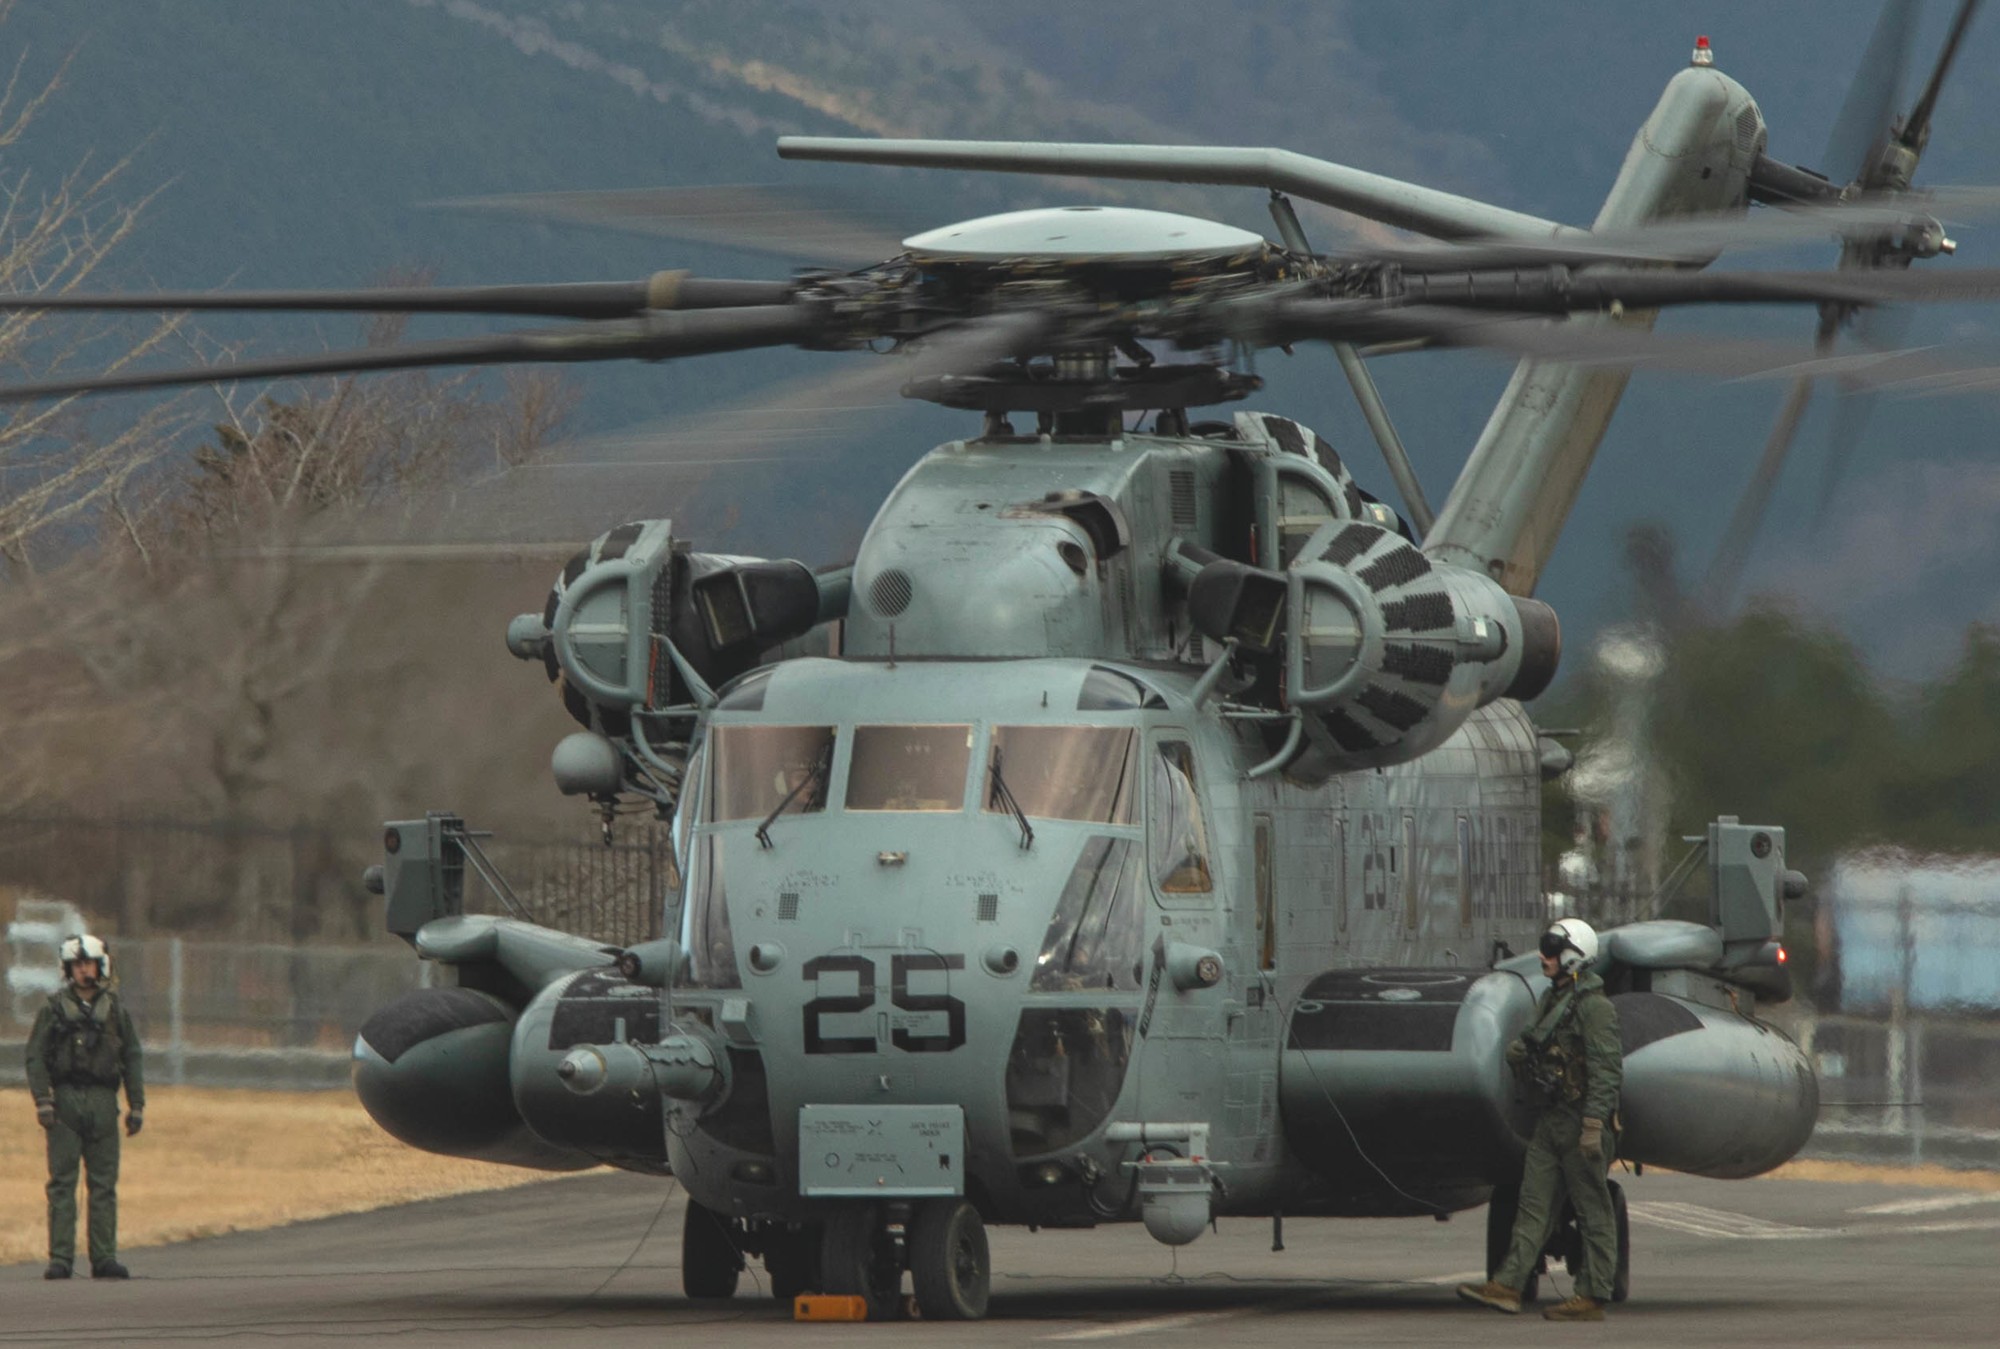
{"x": 85, "y": 1050}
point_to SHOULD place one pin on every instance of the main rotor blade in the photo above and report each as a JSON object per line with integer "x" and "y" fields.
{"x": 1389, "y": 200}
{"x": 657, "y": 468}
{"x": 1868, "y": 110}
{"x": 1697, "y": 239}
{"x": 1659, "y": 289}
{"x": 786, "y": 222}
{"x": 660, "y": 337}
{"x": 1595, "y": 343}
{"x": 578, "y": 300}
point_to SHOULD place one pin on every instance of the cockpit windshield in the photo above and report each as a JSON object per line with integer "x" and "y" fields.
{"x": 909, "y": 767}
{"x": 1067, "y": 772}
{"x": 752, "y": 769}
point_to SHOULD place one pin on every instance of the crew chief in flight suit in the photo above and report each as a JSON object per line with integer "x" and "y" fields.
{"x": 82, "y": 1047}
{"x": 1572, "y": 1054}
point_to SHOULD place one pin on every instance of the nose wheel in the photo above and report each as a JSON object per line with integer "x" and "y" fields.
{"x": 860, "y": 1256}
{"x": 951, "y": 1269}
{"x": 864, "y": 1251}
{"x": 711, "y": 1259}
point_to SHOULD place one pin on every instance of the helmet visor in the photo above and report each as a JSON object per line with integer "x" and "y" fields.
{"x": 1555, "y": 942}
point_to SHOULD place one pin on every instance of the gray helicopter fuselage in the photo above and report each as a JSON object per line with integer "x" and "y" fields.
{"x": 902, "y": 943}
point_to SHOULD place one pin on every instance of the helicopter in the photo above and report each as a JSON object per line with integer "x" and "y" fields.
{"x": 1140, "y": 829}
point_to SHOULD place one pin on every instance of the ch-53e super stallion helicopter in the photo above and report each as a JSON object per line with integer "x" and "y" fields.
{"x": 1155, "y": 843}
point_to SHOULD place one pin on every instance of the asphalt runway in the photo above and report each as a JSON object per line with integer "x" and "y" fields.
{"x": 1761, "y": 1262}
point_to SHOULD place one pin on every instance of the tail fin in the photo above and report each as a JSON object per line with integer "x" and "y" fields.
{"x": 1693, "y": 155}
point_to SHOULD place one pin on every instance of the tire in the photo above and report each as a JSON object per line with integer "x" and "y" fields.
{"x": 951, "y": 1268}
{"x": 1501, "y": 1210}
{"x": 1621, "y": 1281}
{"x": 710, "y": 1262}
{"x": 858, "y": 1259}
{"x": 791, "y": 1258}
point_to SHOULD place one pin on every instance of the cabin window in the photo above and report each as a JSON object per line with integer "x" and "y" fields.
{"x": 754, "y": 769}
{"x": 1179, "y": 837}
{"x": 1412, "y": 894}
{"x": 1066, "y": 772}
{"x": 909, "y": 767}
{"x": 1267, "y": 925}
{"x": 706, "y": 938}
{"x": 1096, "y": 939}
{"x": 1465, "y": 877}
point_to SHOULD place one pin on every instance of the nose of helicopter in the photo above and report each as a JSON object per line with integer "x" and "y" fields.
{"x": 919, "y": 963}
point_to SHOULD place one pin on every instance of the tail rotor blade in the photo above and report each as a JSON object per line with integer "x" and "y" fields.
{"x": 1880, "y": 330}
{"x": 1917, "y": 127}
{"x": 1869, "y": 110}
{"x": 1739, "y": 539}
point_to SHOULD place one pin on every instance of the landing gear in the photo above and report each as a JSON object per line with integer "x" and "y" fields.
{"x": 1501, "y": 1210}
{"x": 861, "y": 1257}
{"x": 791, "y": 1258}
{"x": 1621, "y": 1282}
{"x": 1568, "y": 1242}
{"x": 950, "y": 1267}
{"x": 710, "y": 1259}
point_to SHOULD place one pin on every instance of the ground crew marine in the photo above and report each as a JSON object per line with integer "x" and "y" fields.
{"x": 1572, "y": 1056}
{"x": 82, "y": 1048}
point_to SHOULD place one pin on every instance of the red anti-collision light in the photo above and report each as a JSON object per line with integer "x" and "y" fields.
{"x": 1782, "y": 957}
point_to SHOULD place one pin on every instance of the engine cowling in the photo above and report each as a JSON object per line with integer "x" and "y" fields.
{"x": 1383, "y": 652}
{"x": 636, "y": 623}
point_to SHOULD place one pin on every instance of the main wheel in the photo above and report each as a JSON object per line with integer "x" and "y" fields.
{"x": 791, "y": 1258}
{"x": 951, "y": 1269}
{"x": 858, "y": 1258}
{"x": 1501, "y": 1211}
{"x": 710, "y": 1262}
{"x": 1621, "y": 1282}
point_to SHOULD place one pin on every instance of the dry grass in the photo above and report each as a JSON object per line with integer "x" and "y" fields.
{"x": 1864, "y": 1173}
{"x": 214, "y": 1161}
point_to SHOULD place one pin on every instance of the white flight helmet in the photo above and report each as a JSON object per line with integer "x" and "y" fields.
{"x": 1572, "y": 942}
{"x": 83, "y": 946}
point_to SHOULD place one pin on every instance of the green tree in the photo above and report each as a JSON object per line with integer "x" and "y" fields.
{"x": 1945, "y": 795}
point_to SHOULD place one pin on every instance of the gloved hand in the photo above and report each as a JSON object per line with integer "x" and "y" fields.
{"x": 1591, "y": 1141}
{"x": 1517, "y": 1052}
{"x": 45, "y": 1114}
{"x": 134, "y": 1121}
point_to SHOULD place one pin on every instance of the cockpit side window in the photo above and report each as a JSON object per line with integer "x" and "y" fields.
{"x": 1085, "y": 773}
{"x": 909, "y": 768}
{"x": 1177, "y": 833}
{"x": 1096, "y": 939}
{"x": 754, "y": 768}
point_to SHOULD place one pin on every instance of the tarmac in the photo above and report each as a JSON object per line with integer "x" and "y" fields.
{"x": 1759, "y": 1262}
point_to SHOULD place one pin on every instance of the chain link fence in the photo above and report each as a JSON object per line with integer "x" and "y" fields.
{"x": 252, "y": 882}
{"x": 250, "y": 955}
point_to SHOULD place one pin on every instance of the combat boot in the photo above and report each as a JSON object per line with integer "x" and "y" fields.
{"x": 1575, "y": 1308}
{"x": 56, "y": 1270}
{"x": 109, "y": 1269}
{"x": 1492, "y": 1294}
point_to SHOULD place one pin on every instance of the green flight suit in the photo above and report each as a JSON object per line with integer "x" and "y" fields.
{"x": 1574, "y": 1042}
{"x": 79, "y": 1053}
